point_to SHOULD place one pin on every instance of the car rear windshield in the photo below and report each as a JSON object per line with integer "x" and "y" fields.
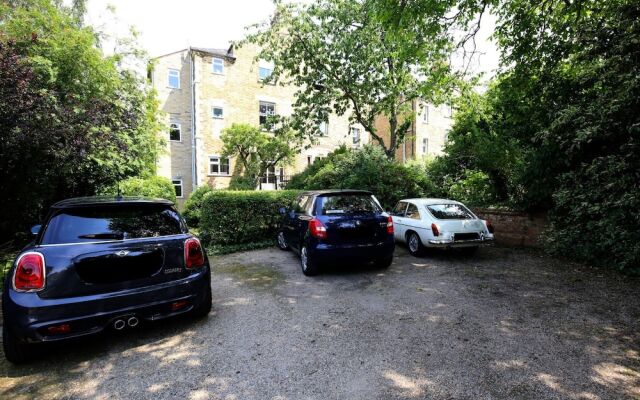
{"x": 348, "y": 204}
{"x": 111, "y": 223}
{"x": 450, "y": 211}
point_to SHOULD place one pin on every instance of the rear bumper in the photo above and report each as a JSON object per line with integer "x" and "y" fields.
{"x": 450, "y": 243}
{"x": 323, "y": 252}
{"x": 29, "y": 316}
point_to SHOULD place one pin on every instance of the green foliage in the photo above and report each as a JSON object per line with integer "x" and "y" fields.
{"x": 154, "y": 186}
{"x": 257, "y": 150}
{"x": 240, "y": 182}
{"x": 366, "y": 59}
{"x": 474, "y": 189}
{"x": 7, "y": 256}
{"x": 72, "y": 121}
{"x": 366, "y": 169}
{"x": 477, "y": 144}
{"x": 193, "y": 205}
{"x": 558, "y": 129}
{"x": 237, "y": 218}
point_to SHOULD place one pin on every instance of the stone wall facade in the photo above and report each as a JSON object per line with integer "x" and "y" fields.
{"x": 235, "y": 87}
{"x": 428, "y": 133}
{"x": 514, "y": 228}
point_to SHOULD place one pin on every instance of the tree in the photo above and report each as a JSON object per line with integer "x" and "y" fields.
{"x": 367, "y": 168}
{"x": 566, "y": 108}
{"x": 258, "y": 150}
{"x": 356, "y": 57}
{"x": 71, "y": 121}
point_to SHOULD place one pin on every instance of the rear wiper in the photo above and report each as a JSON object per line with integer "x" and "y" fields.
{"x": 105, "y": 235}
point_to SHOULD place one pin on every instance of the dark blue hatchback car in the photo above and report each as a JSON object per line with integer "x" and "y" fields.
{"x": 337, "y": 226}
{"x": 100, "y": 263}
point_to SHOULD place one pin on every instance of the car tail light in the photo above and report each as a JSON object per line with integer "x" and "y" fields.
{"x": 390, "y": 225}
{"x": 30, "y": 273}
{"x": 317, "y": 229}
{"x": 490, "y": 227}
{"x": 193, "y": 254}
{"x": 435, "y": 230}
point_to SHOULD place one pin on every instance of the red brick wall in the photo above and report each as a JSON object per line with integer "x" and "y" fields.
{"x": 514, "y": 228}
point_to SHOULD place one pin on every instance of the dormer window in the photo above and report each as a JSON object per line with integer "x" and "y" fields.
{"x": 217, "y": 65}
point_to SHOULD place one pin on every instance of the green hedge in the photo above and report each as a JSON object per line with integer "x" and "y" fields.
{"x": 241, "y": 219}
{"x": 154, "y": 186}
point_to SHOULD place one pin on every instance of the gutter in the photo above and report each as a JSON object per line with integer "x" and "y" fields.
{"x": 194, "y": 164}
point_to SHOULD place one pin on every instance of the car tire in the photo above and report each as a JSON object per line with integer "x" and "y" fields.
{"x": 414, "y": 244}
{"x": 15, "y": 351}
{"x": 282, "y": 242}
{"x": 203, "y": 309}
{"x": 384, "y": 263}
{"x": 307, "y": 264}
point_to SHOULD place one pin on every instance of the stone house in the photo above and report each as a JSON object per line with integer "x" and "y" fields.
{"x": 204, "y": 90}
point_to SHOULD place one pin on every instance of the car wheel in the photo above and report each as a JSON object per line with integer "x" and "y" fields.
{"x": 15, "y": 351}
{"x": 385, "y": 262}
{"x": 308, "y": 265}
{"x": 414, "y": 244}
{"x": 203, "y": 309}
{"x": 282, "y": 242}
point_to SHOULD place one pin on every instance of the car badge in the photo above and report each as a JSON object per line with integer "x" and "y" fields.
{"x": 122, "y": 253}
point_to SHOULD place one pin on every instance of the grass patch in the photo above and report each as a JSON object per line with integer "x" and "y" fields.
{"x": 255, "y": 275}
{"x": 216, "y": 250}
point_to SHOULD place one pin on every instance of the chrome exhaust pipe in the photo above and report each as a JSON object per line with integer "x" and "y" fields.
{"x": 132, "y": 322}
{"x": 119, "y": 324}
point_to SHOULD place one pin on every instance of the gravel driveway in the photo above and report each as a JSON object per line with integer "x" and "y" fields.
{"x": 506, "y": 324}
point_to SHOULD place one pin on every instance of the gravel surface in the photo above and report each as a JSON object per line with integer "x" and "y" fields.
{"x": 505, "y": 324}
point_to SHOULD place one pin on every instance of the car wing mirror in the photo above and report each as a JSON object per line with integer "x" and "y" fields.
{"x": 35, "y": 229}
{"x": 282, "y": 210}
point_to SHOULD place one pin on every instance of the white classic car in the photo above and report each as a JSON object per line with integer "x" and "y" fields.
{"x": 438, "y": 223}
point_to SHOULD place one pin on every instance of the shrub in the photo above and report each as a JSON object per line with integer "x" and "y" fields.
{"x": 474, "y": 189}
{"x": 241, "y": 219}
{"x": 366, "y": 169}
{"x": 239, "y": 182}
{"x": 155, "y": 186}
{"x": 193, "y": 205}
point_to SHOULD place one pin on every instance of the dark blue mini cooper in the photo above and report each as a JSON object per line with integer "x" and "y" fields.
{"x": 100, "y": 263}
{"x": 337, "y": 226}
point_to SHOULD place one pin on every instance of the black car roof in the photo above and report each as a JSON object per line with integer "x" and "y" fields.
{"x": 109, "y": 200}
{"x": 335, "y": 191}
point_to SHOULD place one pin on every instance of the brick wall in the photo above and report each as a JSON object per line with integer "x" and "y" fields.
{"x": 515, "y": 228}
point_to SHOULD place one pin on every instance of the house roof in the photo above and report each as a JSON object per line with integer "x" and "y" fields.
{"x": 227, "y": 53}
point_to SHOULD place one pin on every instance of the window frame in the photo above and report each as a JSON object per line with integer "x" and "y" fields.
{"x": 213, "y": 65}
{"x": 260, "y": 77}
{"x": 393, "y": 210}
{"x": 179, "y": 127}
{"x": 173, "y": 182}
{"x": 425, "y": 114}
{"x": 266, "y": 115}
{"x": 219, "y": 164}
{"x": 353, "y": 137}
{"x": 425, "y": 145}
{"x": 169, "y": 76}
{"x": 325, "y": 132}
{"x": 221, "y": 112}
{"x": 406, "y": 211}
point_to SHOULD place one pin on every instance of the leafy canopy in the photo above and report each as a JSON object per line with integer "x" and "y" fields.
{"x": 72, "y": 121}
{"x": 360, "y": 59}
{"x": 257, "y": 150}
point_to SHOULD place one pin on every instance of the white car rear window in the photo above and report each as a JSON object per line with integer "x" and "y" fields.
{"x": 450, "y": 211}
